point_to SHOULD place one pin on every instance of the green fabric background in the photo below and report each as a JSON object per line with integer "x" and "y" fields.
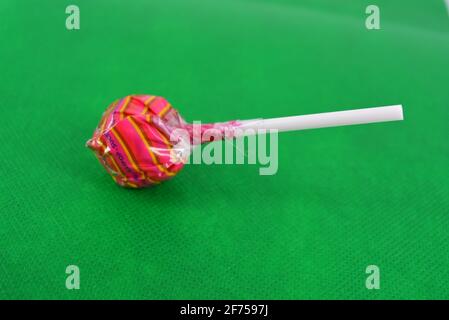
{"x": 343, "y": 198}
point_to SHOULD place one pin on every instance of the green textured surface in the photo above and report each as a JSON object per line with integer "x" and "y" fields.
{"x": 343, "y": 198}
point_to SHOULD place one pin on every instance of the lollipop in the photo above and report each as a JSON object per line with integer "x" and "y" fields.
{"x": 142, "y": 140}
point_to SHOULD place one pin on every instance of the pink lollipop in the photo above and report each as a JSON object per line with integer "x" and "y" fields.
{"x": 136, "y": 143}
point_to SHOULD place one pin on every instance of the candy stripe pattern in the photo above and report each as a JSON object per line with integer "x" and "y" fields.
{"x": 131, "y": 144}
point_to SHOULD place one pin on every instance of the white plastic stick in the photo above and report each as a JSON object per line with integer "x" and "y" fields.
{"x": 328, "y": 119}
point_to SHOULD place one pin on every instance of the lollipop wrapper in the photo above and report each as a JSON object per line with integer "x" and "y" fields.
{"x": 135, "y": 140}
